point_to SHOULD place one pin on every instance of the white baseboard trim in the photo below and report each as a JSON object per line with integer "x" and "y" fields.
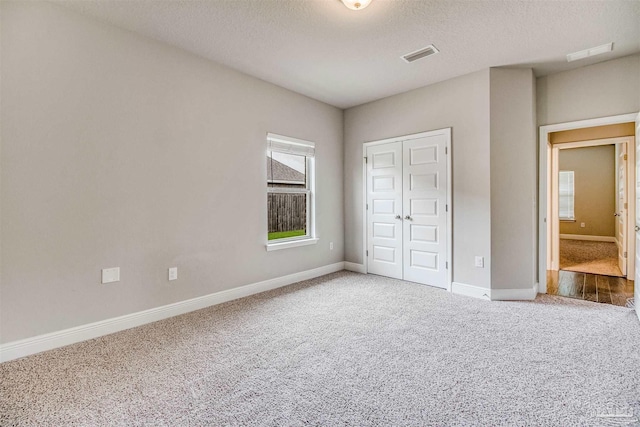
{"x": 494, "y": 294}
{"x": 16, "y": 349}
{"x": 355, "y": 267}
{"x": 514, "y": 294}
{"x": 470, "y": 290}
{"x": 587, "y": 237}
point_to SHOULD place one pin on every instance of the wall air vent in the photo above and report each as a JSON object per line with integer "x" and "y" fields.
{"x": 421, "y": 53}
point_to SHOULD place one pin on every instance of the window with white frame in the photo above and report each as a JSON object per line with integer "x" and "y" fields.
{"x": 566, "y": 195}
{"x": 290, "y": 189}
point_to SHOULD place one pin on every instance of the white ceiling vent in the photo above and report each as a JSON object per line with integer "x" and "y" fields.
{"x": 598, "y": 50}
{"x": 421, "y": 53}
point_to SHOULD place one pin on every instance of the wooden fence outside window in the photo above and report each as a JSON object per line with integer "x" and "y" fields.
{"x": 287, "y": 212}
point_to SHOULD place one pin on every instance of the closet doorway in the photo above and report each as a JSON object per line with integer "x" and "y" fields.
{"x": 408, "y": 208}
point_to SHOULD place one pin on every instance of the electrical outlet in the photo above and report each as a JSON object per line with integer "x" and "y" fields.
{"x": 110, "y": 275}
{"x": 479, "y": 262}
{"x": 330, "y": 246}
{"x": 582, "y": 225}
{"x": 173, "y": 273}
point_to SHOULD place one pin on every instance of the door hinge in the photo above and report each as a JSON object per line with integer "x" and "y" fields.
{"x": 625, "y": 205}
{"x": 446, "y": 208}
{"x": 367, "y": 253}
{"x": 625, "y": 254}
{"x": 625, "y": 157}
{"x": 366, "y": 160}
{"x": 367, "y": 206}
{"x": 446, "y": 265}
{"x": 446, "y": 150}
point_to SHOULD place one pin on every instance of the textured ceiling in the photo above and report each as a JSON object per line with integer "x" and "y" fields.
{"x": 323, "y": 50}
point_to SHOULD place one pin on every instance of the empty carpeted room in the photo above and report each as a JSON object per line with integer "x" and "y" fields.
{"x": 315, "y": 212}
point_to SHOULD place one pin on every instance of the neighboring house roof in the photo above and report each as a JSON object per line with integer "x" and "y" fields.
{"x": 282, "y": 174}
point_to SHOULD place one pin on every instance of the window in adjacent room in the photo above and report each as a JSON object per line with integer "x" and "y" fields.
{"x": 290, "y": 192}
{"x": 566, "y": 196}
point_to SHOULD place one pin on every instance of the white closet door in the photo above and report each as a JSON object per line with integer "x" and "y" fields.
{"x": 384, "y": 212}
{"x": 424, "y": 207}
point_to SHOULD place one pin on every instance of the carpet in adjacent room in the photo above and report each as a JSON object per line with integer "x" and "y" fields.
{"x": 586, "y": 256}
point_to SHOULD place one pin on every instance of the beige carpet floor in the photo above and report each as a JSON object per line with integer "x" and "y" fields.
{"x": 589, "y": 257}
{"x": 344, "y": 350}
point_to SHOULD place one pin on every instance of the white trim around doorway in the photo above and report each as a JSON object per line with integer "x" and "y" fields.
{"x": 544, "y": 213}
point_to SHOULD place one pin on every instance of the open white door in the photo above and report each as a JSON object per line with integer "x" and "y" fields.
{"x": 621, "y": 214}
{"x": 636, "y": 291}
{"x": 384, "y": 209}
{"x": 425, "y": 210}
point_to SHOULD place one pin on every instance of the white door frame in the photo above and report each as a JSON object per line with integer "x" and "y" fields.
{"x": 555, "y": 217}
{"x": 544, "y": 205}
{"x": 449, "y": 234}
{"x": 636, "y": 273}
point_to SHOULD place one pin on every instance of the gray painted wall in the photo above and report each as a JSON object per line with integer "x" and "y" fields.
{"x": 513, "y": 179}
{"x": 492, "y": 113}
{"x": 600, "y": 90}
{"x": 121, "y": 151}
{"x": 605, "y": 89}
{"x": 461, "y": 103}
{"x": 595, "y": 189}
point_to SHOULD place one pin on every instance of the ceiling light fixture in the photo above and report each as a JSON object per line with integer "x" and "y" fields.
{"x": 356, "y": 4}
{"x": 598, "y": 50}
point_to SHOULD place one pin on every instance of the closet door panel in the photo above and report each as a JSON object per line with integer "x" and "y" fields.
{"x": 424, "y": 207}
{"x": 384, "y": 209}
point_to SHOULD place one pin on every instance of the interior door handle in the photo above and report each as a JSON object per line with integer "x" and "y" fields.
{"x": 398, "y": 217}
{"x": 616, "y": 214}
{"x": 408, "y": 217}
{"x": 637, "y": 228}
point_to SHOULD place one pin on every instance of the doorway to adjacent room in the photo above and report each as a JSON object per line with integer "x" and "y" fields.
{"x": 591, "y": 213}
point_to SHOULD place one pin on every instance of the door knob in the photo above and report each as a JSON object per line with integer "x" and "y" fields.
{"x": 398, "y": 217}
{"x": 616, "y": 214}
{"x": 637, "y": 228}
{"x": 408, "y": 217}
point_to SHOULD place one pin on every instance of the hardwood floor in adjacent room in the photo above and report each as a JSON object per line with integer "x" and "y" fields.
{"x": 590, "y": 287}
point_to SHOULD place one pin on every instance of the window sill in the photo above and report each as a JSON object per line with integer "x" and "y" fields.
{"x": 567, "y": 220}
{"x": 291, "y": 244}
